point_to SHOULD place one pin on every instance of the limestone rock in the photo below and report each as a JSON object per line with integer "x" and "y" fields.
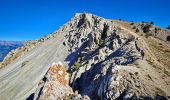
{"x": 100, "y": 59}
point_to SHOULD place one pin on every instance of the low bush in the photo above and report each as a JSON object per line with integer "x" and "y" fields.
{"x": 137, "y": 30}
{"x": 134, "y": 27}
{"x": 76, "y": 65}
{"x": 147, "y": 35}
{"x": 132, "y": 23}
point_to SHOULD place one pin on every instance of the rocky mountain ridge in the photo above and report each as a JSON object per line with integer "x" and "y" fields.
{"x": 97, "y": 59}
{"x": 7, "y": 46}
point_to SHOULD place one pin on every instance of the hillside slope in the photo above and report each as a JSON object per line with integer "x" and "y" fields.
{"x": 7, "y": 46}
{"x": 102, "y": 58}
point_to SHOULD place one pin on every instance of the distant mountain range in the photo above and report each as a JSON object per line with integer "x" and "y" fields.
{"x": 7, "y": 46}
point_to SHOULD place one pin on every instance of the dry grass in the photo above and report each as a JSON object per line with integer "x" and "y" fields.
{"x": 159, "y": 48}
{"x": 162, "y": 52}
{"x": 68, "y": 98}
{"x": 124, "y": 24}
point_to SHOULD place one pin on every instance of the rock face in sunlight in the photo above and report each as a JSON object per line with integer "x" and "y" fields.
{"x": 56, "y": 83}
{"x": 90, "y": 58}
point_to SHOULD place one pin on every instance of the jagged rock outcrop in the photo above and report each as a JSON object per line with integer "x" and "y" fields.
{"x": 104, "y": 47}
{"x": 103, "y": 60}
{"x": 55, "y": 84}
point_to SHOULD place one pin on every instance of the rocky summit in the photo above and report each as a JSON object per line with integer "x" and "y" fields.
{"x": 90, "y": 58}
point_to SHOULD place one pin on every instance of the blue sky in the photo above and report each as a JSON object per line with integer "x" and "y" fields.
{"x": 32, "y": 19}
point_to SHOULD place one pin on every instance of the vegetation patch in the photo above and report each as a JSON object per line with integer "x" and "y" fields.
{"x": 134, "y": 27}
{"x": 68, "y": 98}
{"x": 147, "y": 35}
{"x": 132, "y": 23}
{"x": 137, "y": 30}
{"x": 76, "y": 65}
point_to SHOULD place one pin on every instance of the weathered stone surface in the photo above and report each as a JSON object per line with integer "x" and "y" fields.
{"x": 102, "y": 58}
{"x": 56, "y": 83}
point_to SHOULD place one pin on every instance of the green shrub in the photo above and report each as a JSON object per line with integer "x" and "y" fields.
{"x": 147, "y": 35}
{"x": 76, "y": 65}
{"x": 68, "y": 98}
{"x": 141, "y": 34}
{"x": 132, "y": 23}
{"x": 137, "y": 30}
{"x": 133, "y": 27}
